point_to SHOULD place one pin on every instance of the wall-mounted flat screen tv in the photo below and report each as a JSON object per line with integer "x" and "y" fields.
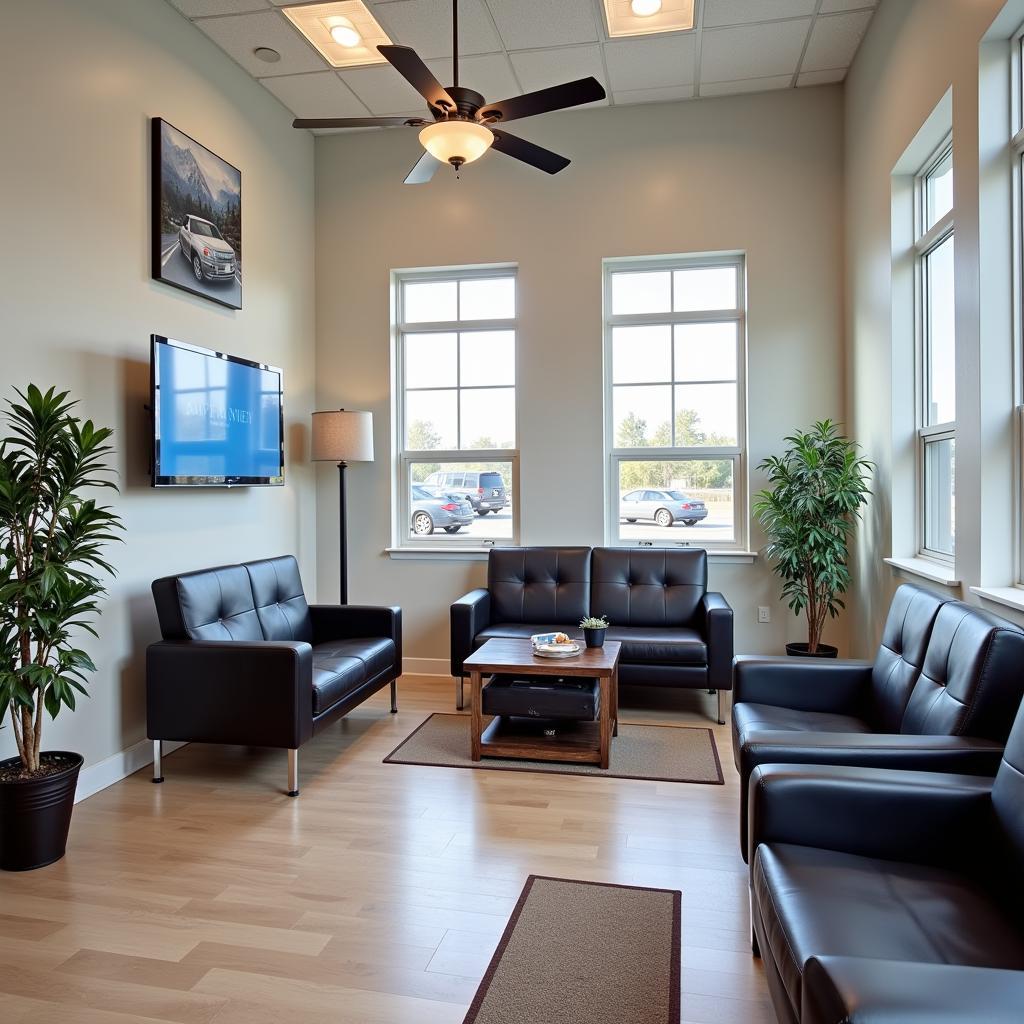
{"x": 218, "y": 420}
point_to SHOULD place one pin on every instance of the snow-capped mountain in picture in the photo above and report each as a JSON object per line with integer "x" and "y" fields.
{"x": 197, "y": 173}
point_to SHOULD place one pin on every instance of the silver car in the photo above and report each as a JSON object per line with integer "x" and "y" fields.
{"x": 212, "y": 258}
{"x": 666, "y": 508}
{"x": 430, "y": 511}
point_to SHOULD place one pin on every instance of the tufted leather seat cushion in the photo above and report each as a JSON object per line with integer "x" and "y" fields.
{"x": 750, "y": 719}
{"x": 547, "y": 585}
{"x": 665, "y": 645}
{"x": 279, "y": 599}
{"x": 817, "y": 901}
{"x": 524, "y": 630}
{"x": 648, "y": 587}
{"x": 341, "y": 666}
{"x": 211, "y": 604}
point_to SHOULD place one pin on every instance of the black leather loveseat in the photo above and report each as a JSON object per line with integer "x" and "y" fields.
{"x": 941, "y": 695}
{"x": 244, "y": 659}
{"x": 890, "y": 897}
{"x": 674, "y": 632}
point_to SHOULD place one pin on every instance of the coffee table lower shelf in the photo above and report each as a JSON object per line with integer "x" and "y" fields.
{"x": 574, "y": 742}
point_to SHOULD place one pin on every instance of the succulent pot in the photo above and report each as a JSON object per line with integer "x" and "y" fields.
{"x": 594, "y": 637}
{"x": 35, "y": 814}
{"x": 823, "y": 651}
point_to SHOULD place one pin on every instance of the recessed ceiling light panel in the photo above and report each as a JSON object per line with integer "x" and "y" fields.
{"x": 344, "y": 31}
{"x": 647, "y": 17}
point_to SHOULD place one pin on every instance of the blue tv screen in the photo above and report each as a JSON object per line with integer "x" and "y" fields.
{"x": 218, "y": 420}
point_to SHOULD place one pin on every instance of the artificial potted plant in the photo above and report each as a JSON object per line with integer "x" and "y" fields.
{"x": 816, "y": 489}
{"x": 51, "y": 561}
{"x": 594, "y": 629}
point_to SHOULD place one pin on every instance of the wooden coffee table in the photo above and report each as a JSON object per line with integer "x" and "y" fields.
{"x": 584, "y": 742}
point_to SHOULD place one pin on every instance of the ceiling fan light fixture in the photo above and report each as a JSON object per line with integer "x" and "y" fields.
{"x": 456, "y": 142}
{"x": 344, "y": 34}
{"x": 645, "y": 8}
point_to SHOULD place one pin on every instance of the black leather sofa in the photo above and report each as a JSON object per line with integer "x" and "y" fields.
{"x": 940, "y": 696}
{"x": 674, "y": 632}
{"x": 890, "y": 897}
{"x": 244, "y": 659}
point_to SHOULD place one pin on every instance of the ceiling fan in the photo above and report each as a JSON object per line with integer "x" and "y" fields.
{"x": 462, "y": 129}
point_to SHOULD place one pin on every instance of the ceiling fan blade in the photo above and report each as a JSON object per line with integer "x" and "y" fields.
{"x": 407, "y": 63}
{"x": 423, "y": 170}
{"x": 355, "y": 122}
{"x": 558, "y": 97}
{"x": 535, "y": 156}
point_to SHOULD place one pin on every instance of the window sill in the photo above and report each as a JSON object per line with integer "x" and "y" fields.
{"x": 926, "y": 569}
{"x": 1009, "y": 597}
{"x": 480, "y": 555}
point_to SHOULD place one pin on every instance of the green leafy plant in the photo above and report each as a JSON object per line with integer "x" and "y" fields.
{"x": 594, "y": 622}
{"x": 51, "y": 557}
{"x": 817, "y": 487}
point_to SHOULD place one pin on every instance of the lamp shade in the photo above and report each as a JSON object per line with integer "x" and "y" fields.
{"x": 342, "y": 436}
{"x": 459, "y": 141}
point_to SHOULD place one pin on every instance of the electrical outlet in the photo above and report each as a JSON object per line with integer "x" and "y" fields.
{"x": 764, "y": 613}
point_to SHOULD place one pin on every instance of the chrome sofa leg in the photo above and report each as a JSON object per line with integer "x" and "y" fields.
{"x": 158, "y": 761}
{"x": 721, "y": 707}
{"x": 394, "y": 696}
{"x": 459, "y": 695}
{"x": 293, "y": 773}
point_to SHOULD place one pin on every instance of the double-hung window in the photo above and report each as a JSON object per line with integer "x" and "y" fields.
{"x": 675, "y": 401}
{"x": 455, "y": 407}
{"x": 936, "y": 357}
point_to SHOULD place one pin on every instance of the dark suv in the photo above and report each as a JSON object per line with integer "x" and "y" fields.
{"x": 485, "y": 490}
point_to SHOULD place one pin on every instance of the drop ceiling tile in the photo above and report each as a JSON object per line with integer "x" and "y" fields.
{"x": 533, "y": 24}
{"x": 739, "y": 12}
{"x": 747, "y": 85}
{"x": 834, "y": 41}
{"x": 832, "y": 6}
{"x": 624, "y": 97}
{"x": 651, "y": 63}
{"x": 540, "y": 69}
{"x": 240, "y": 34}
{"x": 204, "y": 8}
{"x": 383, "y": 90}
{"x": 321, "y": 94}
{"x": 821, "y": 77}
{"x": 752, "y": 51}
{"x": 491, "y": 75}
{"x": 426, "y": 26}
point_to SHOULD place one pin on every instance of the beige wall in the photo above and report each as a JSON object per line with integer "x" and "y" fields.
{"x": 762, "y": 174}
{"x": 915, "y": 51}
{"x": 77, "y": 304}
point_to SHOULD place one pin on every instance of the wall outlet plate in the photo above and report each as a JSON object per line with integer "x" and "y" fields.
{"x": 764, "y": 613}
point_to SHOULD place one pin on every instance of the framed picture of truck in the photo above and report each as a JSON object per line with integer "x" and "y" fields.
{"x": 197, "y": 217}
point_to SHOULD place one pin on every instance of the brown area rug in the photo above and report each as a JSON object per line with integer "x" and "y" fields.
{"x": 658, "y": 753}
{"x": 584, "y": 953}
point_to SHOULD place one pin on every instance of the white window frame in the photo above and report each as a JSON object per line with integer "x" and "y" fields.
{"x": 737, "y": 453}
{"x": 1017, "y": 220}
{"x": 926, "y": 241}
{"x": 404, "y": 457}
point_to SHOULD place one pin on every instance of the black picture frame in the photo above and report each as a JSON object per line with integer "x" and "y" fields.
{"x": 192, "y": 189}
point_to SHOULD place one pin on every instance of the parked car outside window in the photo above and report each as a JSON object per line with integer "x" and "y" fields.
{"x": 431, "y": 511}
{"x": 485, "y": 490}
{"x": 666, "y": 508}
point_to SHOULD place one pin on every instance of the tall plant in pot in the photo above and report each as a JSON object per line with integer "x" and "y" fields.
{"x": 816, "y": 489}
{"x": 52, "y": 540}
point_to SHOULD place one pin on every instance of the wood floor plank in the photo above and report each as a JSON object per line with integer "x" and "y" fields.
{"x": 377, "y": 897}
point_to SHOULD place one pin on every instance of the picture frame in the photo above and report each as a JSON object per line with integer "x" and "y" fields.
{"x": 196, "y": 217}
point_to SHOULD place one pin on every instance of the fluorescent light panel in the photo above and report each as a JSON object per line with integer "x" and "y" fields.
{"x": 674, "y": 16}
{"x": 315, "y": 22}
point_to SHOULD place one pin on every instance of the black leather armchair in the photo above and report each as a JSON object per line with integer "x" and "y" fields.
{"x": 244, "y": 659}
{"x": 940, "y": 696}
{"x": 890, "y": 897}
{"x": 673, "y": 631}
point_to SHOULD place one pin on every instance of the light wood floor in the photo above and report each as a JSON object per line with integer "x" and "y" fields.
{"x": 377, "y": 897}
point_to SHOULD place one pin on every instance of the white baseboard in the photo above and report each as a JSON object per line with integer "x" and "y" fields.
{"x": 427, "y": 667}
{"x": 117, "y": 767}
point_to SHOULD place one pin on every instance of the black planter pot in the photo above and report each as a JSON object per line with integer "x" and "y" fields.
{"x": 35, "y": 814}
{"x": 823, "y": 651}
{"x": 594, "y": 637}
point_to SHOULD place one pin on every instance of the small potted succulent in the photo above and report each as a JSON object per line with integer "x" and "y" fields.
{"x": 594, "y": 629}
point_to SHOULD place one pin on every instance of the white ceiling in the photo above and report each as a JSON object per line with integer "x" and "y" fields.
{"x": 514, "y": 46}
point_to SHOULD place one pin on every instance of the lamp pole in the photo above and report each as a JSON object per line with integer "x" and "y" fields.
{"x": 342, "y": 535}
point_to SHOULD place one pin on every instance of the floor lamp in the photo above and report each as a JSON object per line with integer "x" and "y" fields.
{"x": 341, "y": 436}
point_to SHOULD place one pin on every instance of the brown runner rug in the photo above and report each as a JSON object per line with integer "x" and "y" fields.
{"x": 584, "y": 953}
{"x": 659, "y": 753}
